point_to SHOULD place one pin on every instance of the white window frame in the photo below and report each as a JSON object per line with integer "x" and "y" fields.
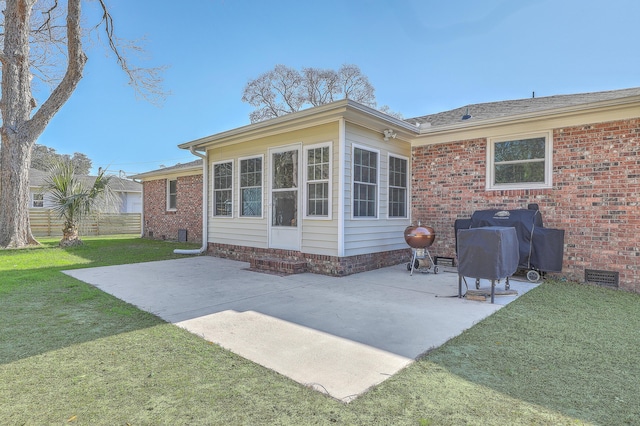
{"x": 548, "y": 160}
{"x": 174, "y": 208}
{"x": 306, "y": 180}
{"x": 33, "y": 200}
{"x": 353, "y": 182}
{"x": 406, "y": 186}
{"x": 240, "y": 187}
{"x": 213, "y": 189}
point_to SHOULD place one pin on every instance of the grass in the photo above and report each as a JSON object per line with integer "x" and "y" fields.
{"x": 71, "y": 354}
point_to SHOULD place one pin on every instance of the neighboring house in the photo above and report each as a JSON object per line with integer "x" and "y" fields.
{"x": 128, "y": 191}
{"x": 335, "y": 186}
{"x": 173, "y": 202}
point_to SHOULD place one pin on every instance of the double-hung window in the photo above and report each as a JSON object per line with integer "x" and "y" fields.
{"x": 398, "y": 186}
{"x": 37, "y": 200}
{"x": 172, "y": 194}
{"x": 318, "y": 172}
{"x": 251, "y": 187}
{"x": 223, "y": 189}
{"x": 365, "y": 183}
{"x": 521, "y": 162}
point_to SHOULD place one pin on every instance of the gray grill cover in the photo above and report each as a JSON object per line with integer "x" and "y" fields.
{"x": 539, "y": 248}
{"x": 524, "y": 221}
{"x": 490, "y": 252}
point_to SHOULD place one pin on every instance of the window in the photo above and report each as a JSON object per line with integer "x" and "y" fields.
{"x": 398, "y": 187}
{"x": 222, "y": 189}
{"x": 251, "y": 187}
{"x": 172, "y": 194}
{"x": 37, "y": 200}
{"x": 522, "y": 162}
{"x": 318, "y": 172}
{"x": 365, "y": 183}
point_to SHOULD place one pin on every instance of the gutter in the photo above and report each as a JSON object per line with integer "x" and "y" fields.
{"x": 205, "y": 202}
{"x": 331, "y": 112}
{"x": 142, "y": 212}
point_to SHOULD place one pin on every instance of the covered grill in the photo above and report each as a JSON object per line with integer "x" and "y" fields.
{"x": 540, "y": 249}
{"x": 489, "y": 252}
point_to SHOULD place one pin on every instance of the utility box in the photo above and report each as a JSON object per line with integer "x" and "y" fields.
{"x": 182, "y": 235}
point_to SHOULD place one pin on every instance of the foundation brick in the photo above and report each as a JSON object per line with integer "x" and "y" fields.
{"x": 286, "y": 261}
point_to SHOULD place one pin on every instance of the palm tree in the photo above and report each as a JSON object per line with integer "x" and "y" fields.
{"x": 73, "y": 198}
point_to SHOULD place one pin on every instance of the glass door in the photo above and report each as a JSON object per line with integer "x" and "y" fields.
{"x": 284, "y": 227}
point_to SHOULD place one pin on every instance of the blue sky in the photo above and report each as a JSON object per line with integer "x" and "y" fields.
{"x": 422, "y": 57}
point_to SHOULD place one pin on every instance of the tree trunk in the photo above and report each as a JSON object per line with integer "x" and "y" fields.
{"x": 15, "y": 228}
{"x": 16, "y": 109}
{"x": 70, "y": 236}
{"x": 19, "y": 129}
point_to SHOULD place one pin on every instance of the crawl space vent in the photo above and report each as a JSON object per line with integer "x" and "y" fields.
{"x": 605, "y": 278}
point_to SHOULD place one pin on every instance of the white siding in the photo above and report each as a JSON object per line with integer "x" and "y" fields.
{"x": 379, "y": 234}
{"x": 238, "y": 230}
{"x": 319, "y": 236}
{"x": 131, "y": 202}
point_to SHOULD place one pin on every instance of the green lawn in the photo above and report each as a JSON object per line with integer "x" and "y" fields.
{"x": 71, "y": 354}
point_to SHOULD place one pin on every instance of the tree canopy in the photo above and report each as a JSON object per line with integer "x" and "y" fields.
{"x": 43, "y": 157}
{"x": 284, "y": 90}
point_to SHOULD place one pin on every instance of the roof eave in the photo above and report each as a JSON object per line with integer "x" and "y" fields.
{"x": 348, "y": 109}
{"x": 162, "y": 172}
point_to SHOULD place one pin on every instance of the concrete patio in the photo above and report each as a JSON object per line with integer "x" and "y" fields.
{"x": 340, "y": 336}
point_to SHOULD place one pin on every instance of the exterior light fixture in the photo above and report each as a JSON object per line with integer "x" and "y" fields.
{"x": 388, "y": 133}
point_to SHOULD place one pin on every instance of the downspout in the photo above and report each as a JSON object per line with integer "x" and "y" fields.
{"x": 142, "y": 212}
{"x": 205, "y": 202}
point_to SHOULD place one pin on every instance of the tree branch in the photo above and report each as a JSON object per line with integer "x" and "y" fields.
{"x": 146, "y": 82}
{"x": 73, "y": 75}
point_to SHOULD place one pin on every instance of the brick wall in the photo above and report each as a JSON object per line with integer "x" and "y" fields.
{"x": 163, "y": 224}
{"x": 318, "y": 264}
{"x": 595, "y": 196}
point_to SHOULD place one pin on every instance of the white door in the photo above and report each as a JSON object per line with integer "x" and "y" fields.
{"x": 284, "y": 220}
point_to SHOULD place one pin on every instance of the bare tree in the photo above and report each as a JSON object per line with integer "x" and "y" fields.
{"x": 284, "y": 90}
{"x": 322, "y": 86}
{"x": 31, "y": 45}
{"x": 275, "y": 93}
{"x": 356, "y": 86}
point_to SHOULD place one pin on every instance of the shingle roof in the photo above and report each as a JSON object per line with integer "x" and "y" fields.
{"x": 196, "y": 164}
{"x": 493, "y": 110}
{"x": 37, "y": 177}
{"x": 178, "y": 166}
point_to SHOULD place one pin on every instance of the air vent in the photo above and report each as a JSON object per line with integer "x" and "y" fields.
{"x": 604, "y": 278}
{"x": 444, "y": 261}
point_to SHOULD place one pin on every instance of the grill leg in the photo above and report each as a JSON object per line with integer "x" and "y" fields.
{"x": 493, "y": 289}
{"x": 413, "y": 261}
